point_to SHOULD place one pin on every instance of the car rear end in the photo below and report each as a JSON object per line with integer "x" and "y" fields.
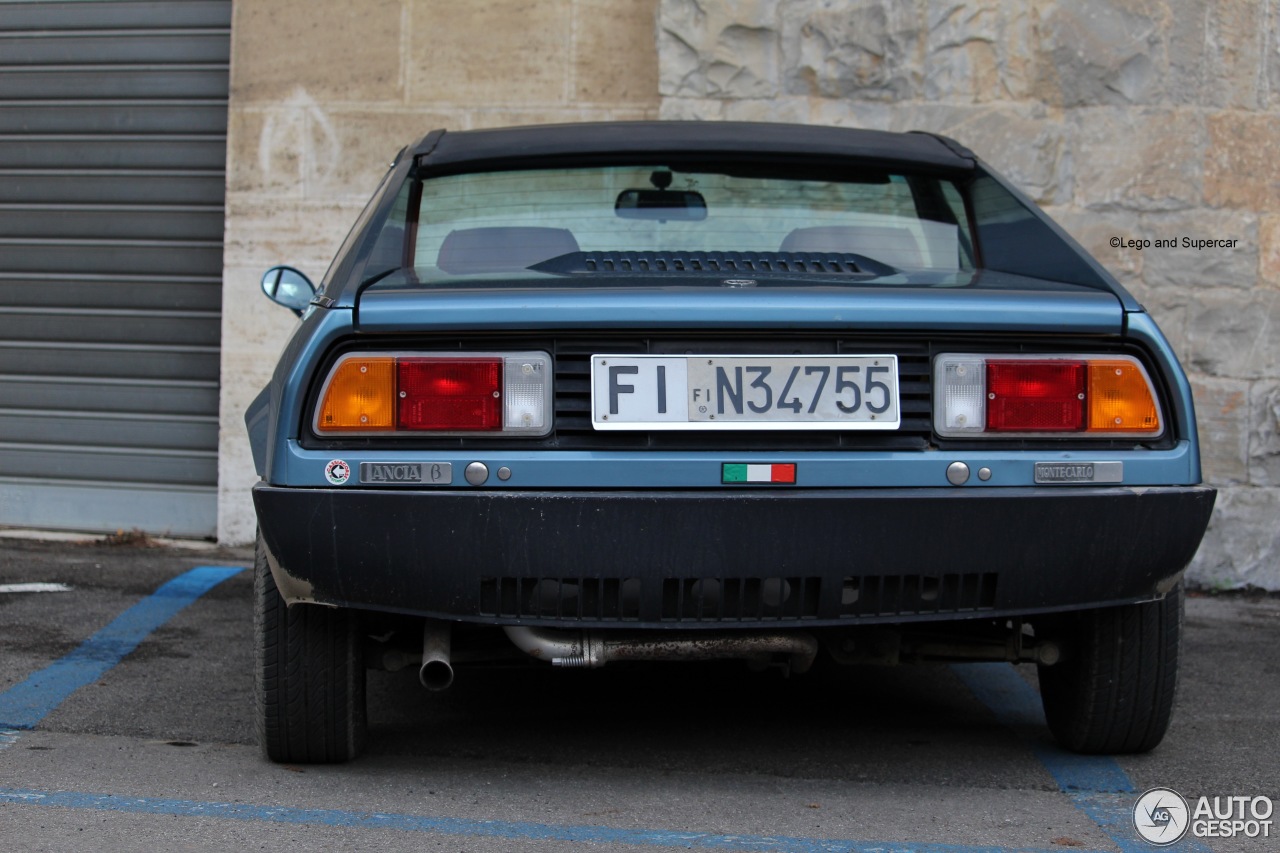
{"x": 686, "y": 400}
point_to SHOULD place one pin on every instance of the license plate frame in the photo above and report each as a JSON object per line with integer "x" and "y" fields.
{"x": 691, "y": 392}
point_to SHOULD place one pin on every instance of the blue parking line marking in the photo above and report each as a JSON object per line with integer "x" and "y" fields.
{"x": 512, "y": 830}
{"x": 1096, "y": 784}
{"x": 29, "y": 701}
{"x": 1017, "y": 706}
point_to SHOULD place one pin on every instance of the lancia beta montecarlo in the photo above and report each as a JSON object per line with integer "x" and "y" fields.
{"x": 587, "y": 394}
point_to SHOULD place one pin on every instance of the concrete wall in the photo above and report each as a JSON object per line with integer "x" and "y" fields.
{"x": 1129, "y": 119}
{"x": 325, "y": 92}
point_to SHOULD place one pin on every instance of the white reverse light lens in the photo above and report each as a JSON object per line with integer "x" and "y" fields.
{"x": 525, "y": 393}
{"x": 963, "y": 385}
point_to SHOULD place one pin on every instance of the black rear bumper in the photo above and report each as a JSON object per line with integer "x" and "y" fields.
{"x": 728, "y": 558}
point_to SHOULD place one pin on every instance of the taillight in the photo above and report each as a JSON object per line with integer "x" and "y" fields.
{"x": 449, "y": 394}
{"x": 1043, "y": 395}
{"x": 1035, "y": 396}
{"x": 1120, "y": 398}
{"x": 359, "y": 396}
{"x": 444, "y": 394}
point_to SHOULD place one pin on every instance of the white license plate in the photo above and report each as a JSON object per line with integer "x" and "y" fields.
{"x": 744, "y": 392}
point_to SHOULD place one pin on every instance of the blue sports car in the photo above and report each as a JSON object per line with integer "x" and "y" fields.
{"x": 586, "y": 394}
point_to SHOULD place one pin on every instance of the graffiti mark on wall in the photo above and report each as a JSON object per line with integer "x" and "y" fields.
{"x": 298, "y": 141}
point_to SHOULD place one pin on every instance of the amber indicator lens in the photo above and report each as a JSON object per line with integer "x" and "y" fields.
{"x": 449, "y": 394}
{"x": 1036, "y": 396}
{"x": 359, "y": 397}
{"x": 1120, "y": 399}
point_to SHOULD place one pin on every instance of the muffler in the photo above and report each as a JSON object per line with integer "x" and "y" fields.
{"x": 436, "y": 672}
{"x": 596, "y": 648}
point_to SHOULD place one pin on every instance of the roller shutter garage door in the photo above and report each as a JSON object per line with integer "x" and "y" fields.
{"x": 112, "y": 150}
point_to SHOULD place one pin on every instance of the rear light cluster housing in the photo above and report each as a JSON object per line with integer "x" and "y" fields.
{"x": 510, "y": 394}
{"x": 1043, "y": 396}
{"x": 447, "y": 393}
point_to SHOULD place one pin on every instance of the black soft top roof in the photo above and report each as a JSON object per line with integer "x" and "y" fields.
{"x": 575, "y": 144}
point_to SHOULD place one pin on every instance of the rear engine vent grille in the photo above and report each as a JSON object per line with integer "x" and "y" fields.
{"x": 734, "y": 600}
{"x": 572, "y": 599}
{"x": 891, "y": 595}
{"x": 740, "y": 599}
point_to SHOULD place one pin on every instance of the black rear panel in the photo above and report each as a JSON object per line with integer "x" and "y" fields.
{"x": 572, "y": 353}
{"x": 573, "y": 428}
{"x": 573, "y": 431}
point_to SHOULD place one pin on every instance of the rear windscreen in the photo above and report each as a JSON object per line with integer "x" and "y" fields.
{"x": 500, "y": 223}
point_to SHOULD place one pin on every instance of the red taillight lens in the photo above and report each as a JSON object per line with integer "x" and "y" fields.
{"x": 449, "y": 394}
{"x": 1036, "y": 396}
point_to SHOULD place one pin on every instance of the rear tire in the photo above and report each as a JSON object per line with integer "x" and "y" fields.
{"x": 1113, "y": 690}
{"x": 309, "y": 687}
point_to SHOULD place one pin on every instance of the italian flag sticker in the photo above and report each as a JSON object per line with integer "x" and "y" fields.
{"x": 777, "y": 472}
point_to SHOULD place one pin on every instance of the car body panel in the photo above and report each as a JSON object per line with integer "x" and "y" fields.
{"x": 569, "y": 469}
{"x": 1063, "y": 310}
{"x": 1142, "y": 329}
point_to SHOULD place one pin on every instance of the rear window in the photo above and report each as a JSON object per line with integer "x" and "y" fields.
{"x": 660, "y": 219}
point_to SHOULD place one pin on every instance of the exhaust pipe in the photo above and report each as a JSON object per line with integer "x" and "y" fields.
{"x": 595, "y": 648}
{"x": 436, "y": 672}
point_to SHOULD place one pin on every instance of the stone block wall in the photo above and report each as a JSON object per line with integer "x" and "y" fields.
{"x": 325, "y": 92}
{"x": 1136, "y": 119}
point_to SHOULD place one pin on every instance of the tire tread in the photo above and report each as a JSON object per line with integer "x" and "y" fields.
{"x": 1114, "y": 690}
{"x": 310, "y": 680}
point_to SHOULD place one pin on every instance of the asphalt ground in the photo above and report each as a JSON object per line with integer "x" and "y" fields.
{"x": 129, "y": 726}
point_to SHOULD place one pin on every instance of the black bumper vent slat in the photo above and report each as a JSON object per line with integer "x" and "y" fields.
{"x": 740, "y": 599}
{"x": 895, "y": 595}
{"x": 734, "y": 599}
{"x": 565, "y": 599}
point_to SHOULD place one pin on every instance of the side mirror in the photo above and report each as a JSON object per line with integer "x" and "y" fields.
{"x": 288, "y": 287}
